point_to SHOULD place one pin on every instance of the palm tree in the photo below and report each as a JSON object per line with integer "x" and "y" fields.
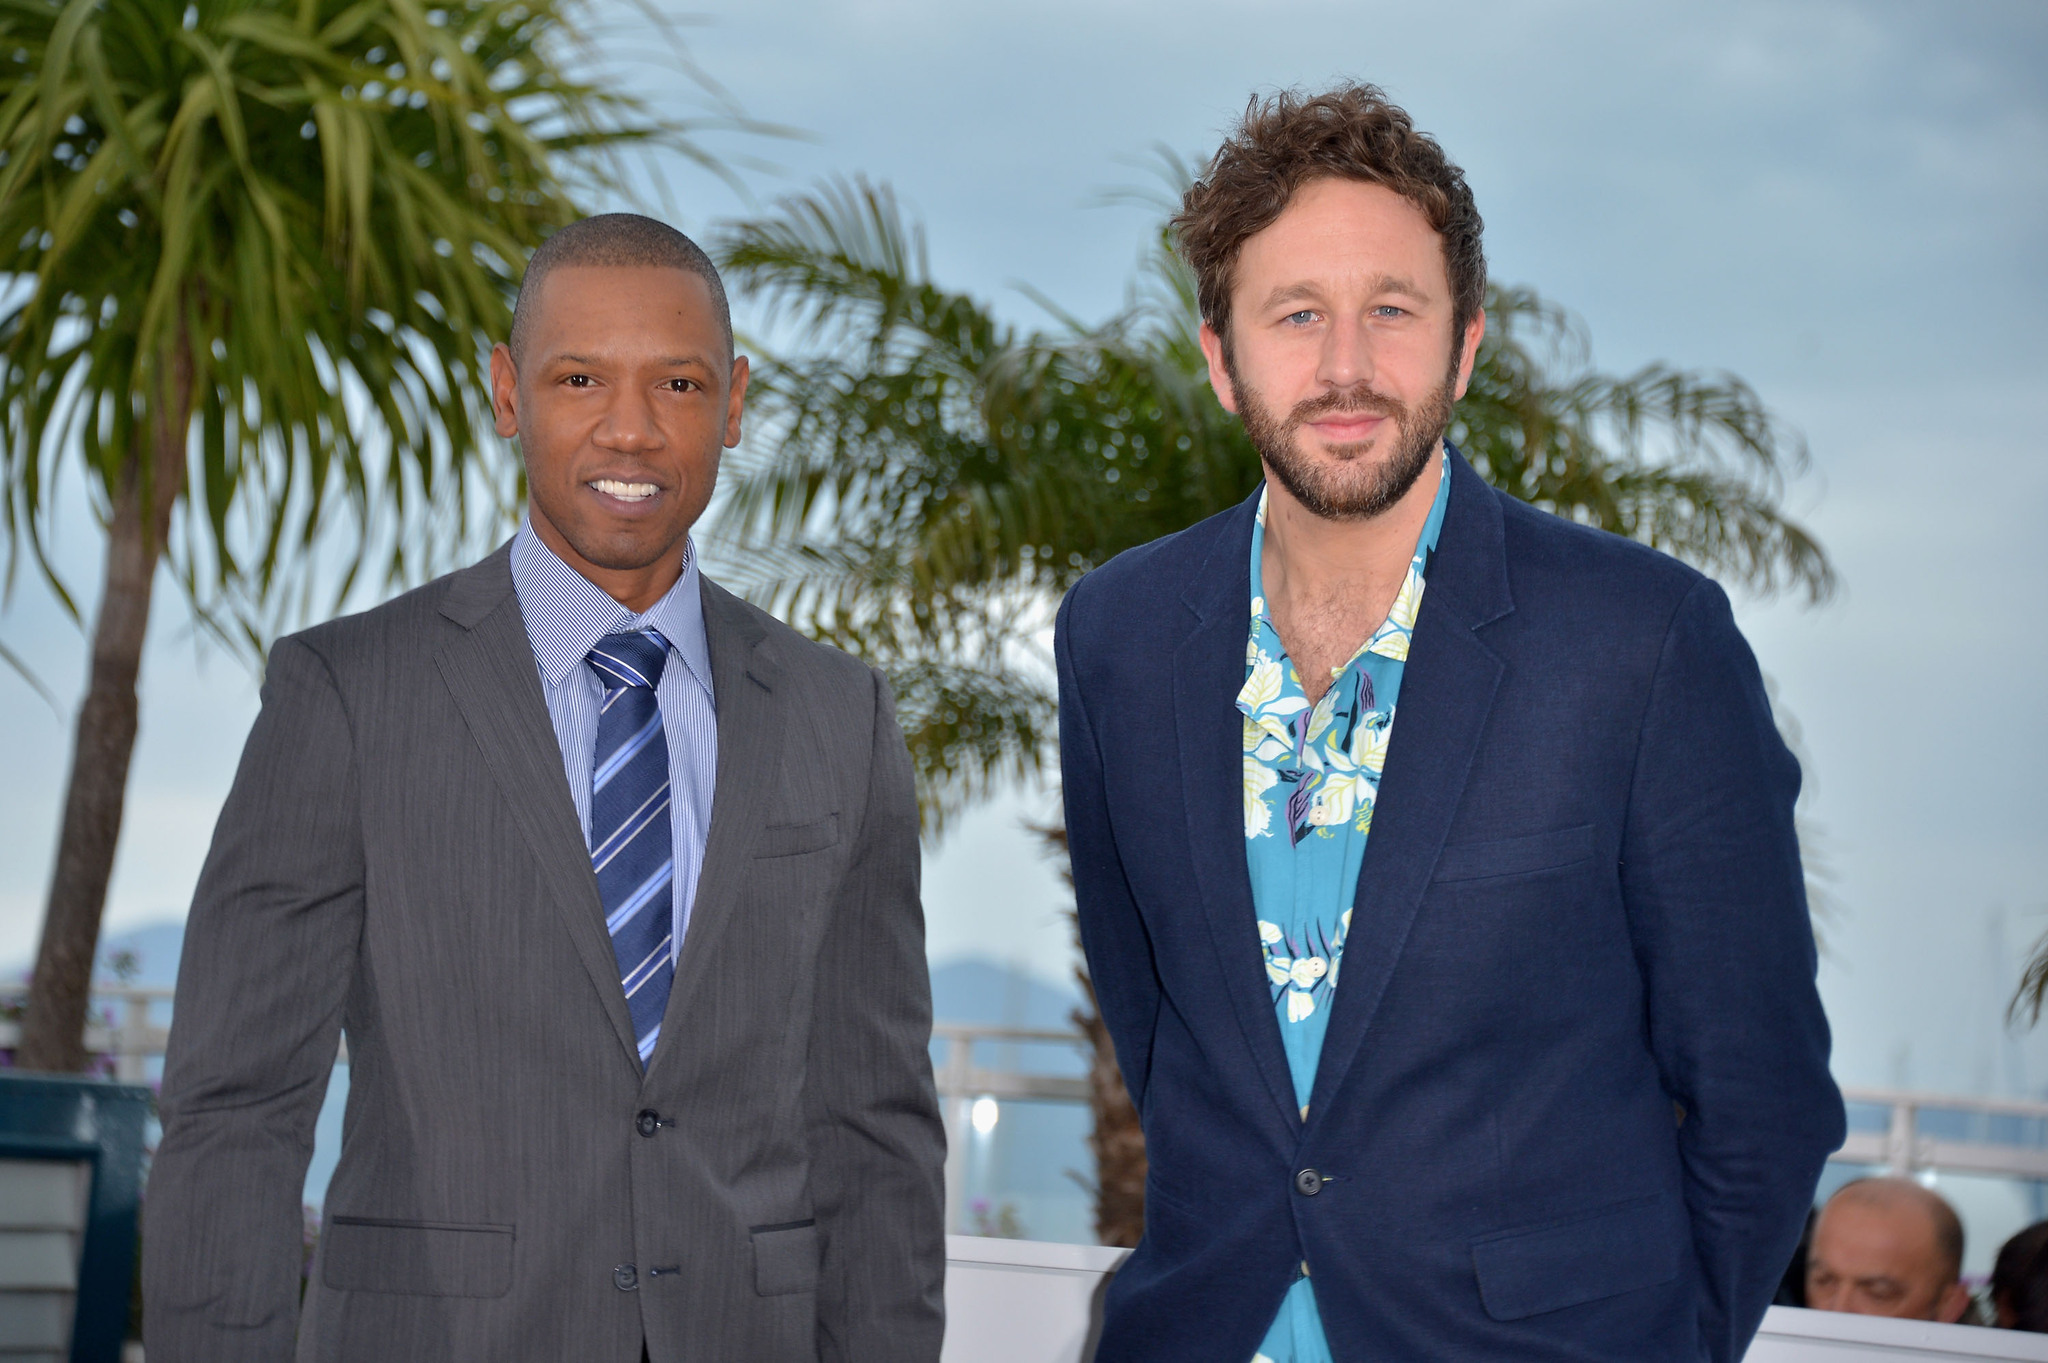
{"x": 932, "y": 478}
{"x": 258, "y": 250}
{"x": 926, "y": 480}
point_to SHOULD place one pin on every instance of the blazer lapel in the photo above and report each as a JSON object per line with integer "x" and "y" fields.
{"x": 751, "y": 727}
{"x": 1447, "y": 692}
{"x": 1208, "y": 673}
{"x": 491, "y": 672}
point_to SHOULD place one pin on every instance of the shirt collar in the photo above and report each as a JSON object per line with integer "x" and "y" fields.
{"x": 566, "y": 613}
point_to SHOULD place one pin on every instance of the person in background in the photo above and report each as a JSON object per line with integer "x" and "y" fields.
{"x": 1887, "y": 1247}
{"x": 2018, "y": 1297}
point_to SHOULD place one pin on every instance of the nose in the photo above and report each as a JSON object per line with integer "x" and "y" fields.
{"x": 628, "y": 425}
{"x": 1346, "y": 357}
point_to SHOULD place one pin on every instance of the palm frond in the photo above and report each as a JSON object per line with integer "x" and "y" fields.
{"x": 921, "y": 480}
{"x": 303, "y": 225}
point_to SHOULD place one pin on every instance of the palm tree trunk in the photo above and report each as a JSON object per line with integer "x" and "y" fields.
{"x": 1118, "y": 1139}
{"x": 53, "y": 1027}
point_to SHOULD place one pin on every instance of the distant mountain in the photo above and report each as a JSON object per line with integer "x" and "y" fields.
{"x": 976, "y": 990}
{"x": 154, "y": 948}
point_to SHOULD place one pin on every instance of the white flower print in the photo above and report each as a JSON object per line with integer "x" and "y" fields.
{"x": 1258, "y": 779}
{"x": 1300, "y": 1006}
{"x": 1269, "y": 933}
{"x": 1306, "y": 970}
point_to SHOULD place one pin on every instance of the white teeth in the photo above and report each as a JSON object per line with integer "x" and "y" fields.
{"x": 625, "y": 492}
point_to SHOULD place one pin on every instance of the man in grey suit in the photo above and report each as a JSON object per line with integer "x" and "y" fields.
{"x": 611, "y": 881}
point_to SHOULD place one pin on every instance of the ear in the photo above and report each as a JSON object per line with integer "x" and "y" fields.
{"x": 1219, "y": 372}
{"x": 1955, "y": 1301}
{"x": 504, "y": 391}
{"x": 736, "y": 400}
{"x": 1475, "y": 332}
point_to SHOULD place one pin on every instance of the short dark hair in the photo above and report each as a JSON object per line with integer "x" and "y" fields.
{"x": 1290, "y": 139}
{"x": 615, "y": 239}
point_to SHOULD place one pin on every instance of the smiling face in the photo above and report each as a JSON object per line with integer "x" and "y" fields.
{"x": 1341, "y": 318}
{"x": 622, "y": 402}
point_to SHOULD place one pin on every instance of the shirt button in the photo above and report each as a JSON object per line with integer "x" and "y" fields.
{"x": 648, "y": 1122}
{"x": 625, "y": 1277}
{"x": 1308, "y": 1183}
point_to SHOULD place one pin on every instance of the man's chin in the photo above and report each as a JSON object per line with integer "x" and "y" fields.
{"x": 625, "y": 551}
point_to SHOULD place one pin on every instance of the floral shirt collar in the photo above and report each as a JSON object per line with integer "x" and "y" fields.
{"x": 1338, "y": 745}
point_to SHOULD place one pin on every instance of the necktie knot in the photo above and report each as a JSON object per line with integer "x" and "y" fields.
{"x": 634, "y": 659}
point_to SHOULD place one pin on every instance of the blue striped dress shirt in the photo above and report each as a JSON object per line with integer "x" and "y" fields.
{"x": 566, "y": 614}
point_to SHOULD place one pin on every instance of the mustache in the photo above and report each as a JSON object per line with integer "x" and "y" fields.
{"x": 1359, "y": 397}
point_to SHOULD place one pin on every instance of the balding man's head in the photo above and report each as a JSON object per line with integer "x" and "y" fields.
{"x": 1887, "y": 1247}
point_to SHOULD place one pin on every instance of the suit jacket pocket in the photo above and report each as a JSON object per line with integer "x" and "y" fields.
{"x": 785, "y": 1258}
{"x": 1617, "y": 1249}
{"x": 1516, "y": 856}
{"x": 426, "y": 1258}
{"x": 794, "y": 839}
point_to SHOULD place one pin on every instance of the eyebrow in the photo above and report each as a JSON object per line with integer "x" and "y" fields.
{"x": 1379, "y": 284}
{"x": 666, "y": 361}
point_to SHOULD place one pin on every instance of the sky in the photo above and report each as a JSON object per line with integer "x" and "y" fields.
{"x": 1844, "y": 203}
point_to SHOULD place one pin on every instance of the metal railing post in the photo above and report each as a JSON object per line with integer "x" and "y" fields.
{"x": 953, "y": 1086}
{"x": 1899, "y": 1141}
{"x": 131, "y": 1039}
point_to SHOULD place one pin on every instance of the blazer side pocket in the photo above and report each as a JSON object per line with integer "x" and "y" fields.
{"x": 1605, "y": 1253}
{"x": 1516, "y": 856}
{"x": 423, "y": 1258}
{"x": 785, "y": 1258}
{"x": 794, "y": 839}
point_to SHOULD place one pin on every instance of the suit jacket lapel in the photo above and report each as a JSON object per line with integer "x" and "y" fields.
{"x": 1208, "y": 673}
{"x": 491, "y": 672}
{"x": 1447, "y": 692}
{"x": 752, "y": 724}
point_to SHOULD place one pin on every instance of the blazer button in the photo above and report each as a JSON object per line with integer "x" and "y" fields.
{"x": 1308, "y": 1183}
{"x": 625, "y": 1277}
{"x": 648, "y": 1122}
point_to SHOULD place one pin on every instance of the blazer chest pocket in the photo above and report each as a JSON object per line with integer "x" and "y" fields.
{"x": 424, "y": 1258}
{"x": 785, "y": 1258}
{"x": 795, "y": 839}
{"x": 1566, "y": 1263}
{"x": 1515, "y": 856}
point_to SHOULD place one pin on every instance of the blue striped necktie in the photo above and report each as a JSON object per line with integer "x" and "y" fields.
{"x": 630, "y": 844}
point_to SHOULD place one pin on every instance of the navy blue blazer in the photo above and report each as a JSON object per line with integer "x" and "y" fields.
{"x": 1574, "y": 1096}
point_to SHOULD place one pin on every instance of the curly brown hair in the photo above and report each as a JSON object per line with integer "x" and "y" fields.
{"x": 1289, "y": 139}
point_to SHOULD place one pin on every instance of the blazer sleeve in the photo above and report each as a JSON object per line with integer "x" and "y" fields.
{"x": 1113, "y": 936}
{"x": 1717, "y": 906}
{"x": 878, "y": 1145}
{"x": 269, "y": 953}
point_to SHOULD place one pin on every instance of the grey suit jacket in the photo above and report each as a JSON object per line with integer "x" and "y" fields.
{"x": 399, "y": 859}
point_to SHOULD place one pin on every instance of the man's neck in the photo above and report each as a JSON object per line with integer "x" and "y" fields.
{"x": 1330, "y": 583}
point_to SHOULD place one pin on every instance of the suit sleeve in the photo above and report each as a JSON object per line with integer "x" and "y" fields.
{"x": 1113, "y": 936}
{"x": 878, "y": 1145}
{"x": 1717, "y": 905}
{"x": 268, "y": 956}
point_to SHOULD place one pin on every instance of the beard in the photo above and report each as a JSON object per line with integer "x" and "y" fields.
{"x": 1347, "y": 483}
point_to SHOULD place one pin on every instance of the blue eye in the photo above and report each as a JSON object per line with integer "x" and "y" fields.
{"x": 1389, "y": 310}
{"x": 1303, "y": 317}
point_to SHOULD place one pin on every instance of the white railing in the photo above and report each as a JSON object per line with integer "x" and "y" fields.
{"x": 124, "y": 1025}
{"x": 131, "y": 1038}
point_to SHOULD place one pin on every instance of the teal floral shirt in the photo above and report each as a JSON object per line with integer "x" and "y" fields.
{"x": 1311, "y": 777}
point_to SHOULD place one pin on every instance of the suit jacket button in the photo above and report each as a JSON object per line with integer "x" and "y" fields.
{"x": 648, "y": 1122}
{"x": 1308, "y": 1183}
{"x": 625, "y": 1277}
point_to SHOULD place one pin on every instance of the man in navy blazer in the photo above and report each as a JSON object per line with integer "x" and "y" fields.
{"x": 1513, "y": 780}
